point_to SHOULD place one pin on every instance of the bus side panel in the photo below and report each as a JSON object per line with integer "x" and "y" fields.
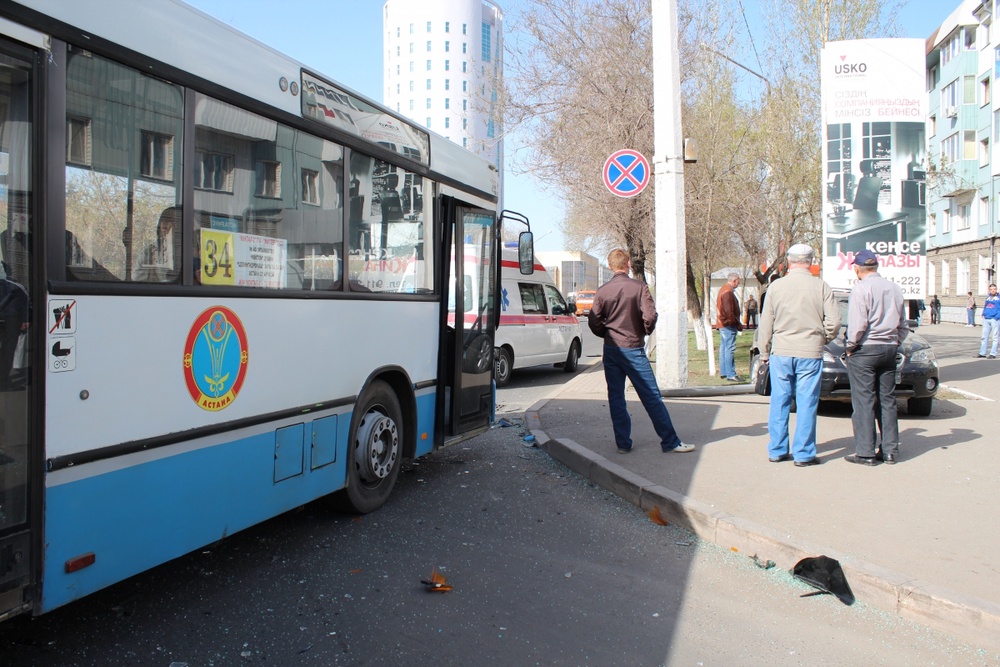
{"x": 138, "y": 516}
{"x": 426, "y": 400}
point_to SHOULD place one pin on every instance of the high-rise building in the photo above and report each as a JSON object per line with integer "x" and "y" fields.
{"x": 443, "y": 67}
{"x": 963, "y": 131}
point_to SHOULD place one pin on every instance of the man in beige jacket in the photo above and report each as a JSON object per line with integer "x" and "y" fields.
{"x": 800, "y": 316}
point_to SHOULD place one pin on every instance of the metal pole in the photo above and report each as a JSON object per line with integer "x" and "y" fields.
{"x": 668, "y": 168}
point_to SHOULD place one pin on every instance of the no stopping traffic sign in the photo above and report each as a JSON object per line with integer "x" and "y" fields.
{"x": 626, "y": 173}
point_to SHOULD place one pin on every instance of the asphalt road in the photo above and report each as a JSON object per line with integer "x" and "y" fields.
{"x": 547, "y": 569}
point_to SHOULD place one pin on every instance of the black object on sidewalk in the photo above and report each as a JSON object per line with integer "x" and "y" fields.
{"x": 824, "y": 573}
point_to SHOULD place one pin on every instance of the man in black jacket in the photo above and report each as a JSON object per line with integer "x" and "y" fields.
{"x": 623, "y": 314}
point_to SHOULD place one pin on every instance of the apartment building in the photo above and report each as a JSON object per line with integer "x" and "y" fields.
{"x": 963, "y": 142}
{"x": 443, "y": 63}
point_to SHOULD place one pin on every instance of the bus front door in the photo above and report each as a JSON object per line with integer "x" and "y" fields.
{"x": 16, "y": 221}
{"x": 469, "y": 344}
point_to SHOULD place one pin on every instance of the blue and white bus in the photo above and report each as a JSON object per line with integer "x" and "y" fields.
{"x": 228, "y": 290}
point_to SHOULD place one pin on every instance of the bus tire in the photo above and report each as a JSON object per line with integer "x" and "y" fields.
{"x": 504, "y": 366}
{"x": 374, "y": 451}
{"x": 573, "y": 358}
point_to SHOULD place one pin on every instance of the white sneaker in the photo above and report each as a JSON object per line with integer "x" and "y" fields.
{"x": 683, "y": 447}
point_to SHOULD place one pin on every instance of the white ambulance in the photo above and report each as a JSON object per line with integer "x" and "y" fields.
{"x": 537, "y": 325}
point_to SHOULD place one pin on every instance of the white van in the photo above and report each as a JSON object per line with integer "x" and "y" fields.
{"x": 537, "y": 325}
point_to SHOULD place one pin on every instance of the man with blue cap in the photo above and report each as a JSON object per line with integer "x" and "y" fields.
{"x": 876, "y": 326}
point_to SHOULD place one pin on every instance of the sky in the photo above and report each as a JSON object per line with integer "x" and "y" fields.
{"x": 343, "y": 40}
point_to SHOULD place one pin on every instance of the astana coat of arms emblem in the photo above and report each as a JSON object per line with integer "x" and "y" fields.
{"x": 215, "y": 358}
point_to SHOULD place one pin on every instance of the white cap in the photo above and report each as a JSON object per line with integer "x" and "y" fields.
{"x": 800, "y": 252}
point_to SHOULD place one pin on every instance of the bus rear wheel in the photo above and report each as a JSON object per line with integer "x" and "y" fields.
{"x": 504, "y": 366}
{"x": 375, "y": 450}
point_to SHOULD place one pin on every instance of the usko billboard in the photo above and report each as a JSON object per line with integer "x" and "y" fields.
{"x": 874, "y": 157}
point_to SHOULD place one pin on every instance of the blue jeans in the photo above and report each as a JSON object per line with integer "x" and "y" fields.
{"x": 727, "y": 352}
{"x": 632, "y": 362}
{"x": 971, "y": 314}
{"x": 872, "y": 369}
{"x": 798, "y": 378}
{"x": 991, "y": 330}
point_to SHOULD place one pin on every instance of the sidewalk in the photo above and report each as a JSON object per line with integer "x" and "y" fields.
{"x": 918, "y": 539}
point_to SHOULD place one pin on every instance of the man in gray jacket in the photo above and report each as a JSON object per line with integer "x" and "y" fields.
{"x": 876, "y": 325}
{"x": 800, "y": 316}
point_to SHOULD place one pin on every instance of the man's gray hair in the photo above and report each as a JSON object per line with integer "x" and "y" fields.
{"x": 732, "y": 275}
{"x": 800, "y": 253}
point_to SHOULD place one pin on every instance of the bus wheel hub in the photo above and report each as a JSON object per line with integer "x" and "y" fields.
{"x": 376, "y": 447}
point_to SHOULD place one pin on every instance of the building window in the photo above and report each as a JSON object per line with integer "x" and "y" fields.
{"x": 946, "y": 220}
{"x": 490, "y": 129}
{"x": 447, "y": 26}
{"x": 411, "y": 28}
{"x": 447, "y": 65}
{"x": 963, "y": 218}
{"x": 411, "y": 86}
{"x": 984, "y": 92}
{"x": 945, "y": 277}
{"x": 465, "y": 29}
{"x": 213, "y": 171}
{"x": 428, "y": 103}
{"x": 397, "y": 89}
{"x": 428, "y": 45}
{"x": 447, "y": 46}
{"x": 447, "y": 84}
{"x": 411, "y": 47}
{"x": 949, "y": 50}
{"x": 411, "y": 105}
{"x": 487, "y": 50}
{"x": 465, "y": 103}
{"x": 962, "y": 276}
{"x": 984, "y": 211}
{"x": 931, "y": 126}
{"x": 984, "y": 153}
{"x": 397, "y": 32}
{"x": 969, "y": 89}
{"x": 465, "y": 142}
{"x": 465, "y": 47}
{"x": 428, "y": 26}
{"x": 465, "y": 88}
{"x": 78, "y": 141}
{"x": 932, "y": 224}
{"x": 428, "y": 84}
{"x": 970, "y": 39}
{"x": 985, "y": 275}
{"x": 969, "y": 152}
{"x": 464, "y": 68}
{"x": 428, "y": 126}
{"x": 157, "y": 156}
{"x": 447, "y": 123}
{"x": 397, "y": 51}
{"x": 949, "y": 97}
{"x": 931, "y": 78}
{"x": 310, "y": 187}
{"x": 465, "y": 123}
{"x": 996, "y": 63}
{"x": 447, "y": 103}
{"x": 268, "y": 179}
{"x": 411, "y": 66}
{"x": 950, "y": 148}
{"x": 428, "y": 65}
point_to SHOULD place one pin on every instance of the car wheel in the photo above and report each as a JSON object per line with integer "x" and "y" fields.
{"x": 504, "y": 366}
{"x": 920, "y": 407}
{"x": 573, "y": 358}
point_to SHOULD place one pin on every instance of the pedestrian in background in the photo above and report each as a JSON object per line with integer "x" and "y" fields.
{"x": 970, "y": 310}
{"x": 727, "y": 307}
{"x": 623, "y": 314}
{"x": 935, "y": 309}
{"x": 991, "y": 323}
{"x": 751, "y": 312}
{"x": 800, "y": 317}
{"x": 876, "y": 326}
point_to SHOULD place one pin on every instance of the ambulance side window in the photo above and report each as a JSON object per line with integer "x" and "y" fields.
{"x": 532, "y": 298}
{"x": 557, "y": 305}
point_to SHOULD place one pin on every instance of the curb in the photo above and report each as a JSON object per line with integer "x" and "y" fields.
{"x": 968, "y": 618}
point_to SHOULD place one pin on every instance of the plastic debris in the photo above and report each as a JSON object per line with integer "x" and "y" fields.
{"x": 656, "y": 517}
{"x": 503, "y": 423}
{"x": 529, "y": 440}
{"x": 437, "y": 583}
{"x": 765, "y": 564}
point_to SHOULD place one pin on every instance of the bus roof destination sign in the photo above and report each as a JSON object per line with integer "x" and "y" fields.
{"x": 626, "y": 173}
